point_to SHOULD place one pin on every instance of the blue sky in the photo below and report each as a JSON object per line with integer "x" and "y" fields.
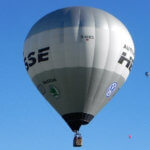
{"x": 28, "y": 122}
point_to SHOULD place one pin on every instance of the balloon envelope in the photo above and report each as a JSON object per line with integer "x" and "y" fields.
{"x": 78, "y": 58}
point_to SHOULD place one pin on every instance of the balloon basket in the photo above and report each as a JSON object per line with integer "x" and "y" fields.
{"x": 77, "y": 141}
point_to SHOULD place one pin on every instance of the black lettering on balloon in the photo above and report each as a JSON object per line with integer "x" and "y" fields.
{"x": 26, "y": 64}
{"x": 43, "y": 54}
{"x": 31, "y": 59}
{"x": 129, "y": 62}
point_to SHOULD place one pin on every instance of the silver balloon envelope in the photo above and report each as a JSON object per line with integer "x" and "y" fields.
{"x": 78, "y": 58}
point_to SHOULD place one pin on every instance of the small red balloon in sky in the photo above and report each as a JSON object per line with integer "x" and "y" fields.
{"x": 130, "y": 136}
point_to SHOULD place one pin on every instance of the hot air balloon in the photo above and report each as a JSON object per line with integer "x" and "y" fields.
{"x": 147, "y": 74}
{"x": 130, "y": 136}
{"x": 78, "y": 58}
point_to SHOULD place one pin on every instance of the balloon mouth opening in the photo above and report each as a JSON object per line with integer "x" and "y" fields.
{"x": 75, "y": 120}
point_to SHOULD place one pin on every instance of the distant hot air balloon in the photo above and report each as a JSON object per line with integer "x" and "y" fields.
{"x": 130, "y": 136}
{"x": 147, "y": 74}
{"x": 78, "y": 58}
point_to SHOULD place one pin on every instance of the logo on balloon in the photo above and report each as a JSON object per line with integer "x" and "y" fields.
{"x": 111, "y": 89}
{"x": 54, "y": 91}
{"x": 87, "y": 37}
